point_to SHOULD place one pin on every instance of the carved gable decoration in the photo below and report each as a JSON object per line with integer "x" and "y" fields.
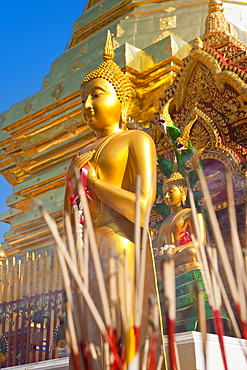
{"x": 210, "y": 82}
{"x": 213, "y": 83}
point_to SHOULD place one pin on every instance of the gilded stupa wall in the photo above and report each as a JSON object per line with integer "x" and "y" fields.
{"x": 40, "y": 134}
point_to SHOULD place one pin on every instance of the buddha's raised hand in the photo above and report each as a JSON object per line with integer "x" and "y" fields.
{"x": 78, "y": 162}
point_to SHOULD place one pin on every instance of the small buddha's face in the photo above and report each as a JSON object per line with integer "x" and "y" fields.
{"x": 173, "y": 196}
{"x": 101, "y": 107}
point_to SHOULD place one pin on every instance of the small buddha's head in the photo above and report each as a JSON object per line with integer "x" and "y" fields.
{"x": 106, "y": 92}
{"x": 175, "y": 190}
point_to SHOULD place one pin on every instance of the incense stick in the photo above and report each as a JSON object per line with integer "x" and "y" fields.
{"x": 169, "y": 305}
{"x": 238, "y": 256}
{"x": 217, "y": 309}
{"x": 202, "y": 255}
{"x": 219, "y": 240}
{"x": 69, "y": 235}
{"x": 143, "y": 262}
{"x": 202, "y": 323}
{"x": 95, "y": 255}
{"x": 145, "y": 354}
{"x": 137, "y": 248}
{"x": 226, "y": 302}
{"x": 80, "y": 284}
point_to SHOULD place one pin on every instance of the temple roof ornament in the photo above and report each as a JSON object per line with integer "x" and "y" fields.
{"x": 213, "y": 81}
{"x": 216, "y": 21}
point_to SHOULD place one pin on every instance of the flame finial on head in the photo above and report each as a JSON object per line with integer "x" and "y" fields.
{"x": 111, "y": 72}
{"x": 176, "y": 179}
{"x": 108, "y": 50}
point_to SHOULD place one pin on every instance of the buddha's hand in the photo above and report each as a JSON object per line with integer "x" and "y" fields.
{"x": 92, "y": 176}
{"x": 78, "y": 162}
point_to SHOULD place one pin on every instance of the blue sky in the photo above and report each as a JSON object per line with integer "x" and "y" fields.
{"x": 32, "y": 35}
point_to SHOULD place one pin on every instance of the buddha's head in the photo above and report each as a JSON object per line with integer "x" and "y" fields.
{"x": 106, "y": 92}
{"x": 175, "y": 190}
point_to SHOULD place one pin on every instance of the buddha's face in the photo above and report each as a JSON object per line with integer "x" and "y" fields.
{"x": 173, "y": 195}
{"x": 101, "y": 107}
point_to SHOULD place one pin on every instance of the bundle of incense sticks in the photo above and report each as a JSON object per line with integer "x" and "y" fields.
{"x": 236, "y": 280}
{"x": 119, "y": 327}
{"x": 120, "y": 343}
{"x": 207, "y": 257}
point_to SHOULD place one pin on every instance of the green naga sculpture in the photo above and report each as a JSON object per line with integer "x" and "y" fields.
{"x": 187, "y": 158}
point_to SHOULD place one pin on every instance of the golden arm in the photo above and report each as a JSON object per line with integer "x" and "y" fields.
{"x": 142, "y": 157}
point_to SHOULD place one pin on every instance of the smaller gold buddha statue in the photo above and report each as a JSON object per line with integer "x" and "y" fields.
{"x": 175, "y": 231}
{"x": 175, "y": 235}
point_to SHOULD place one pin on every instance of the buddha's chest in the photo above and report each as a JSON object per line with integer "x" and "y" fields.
{"x": 177, "y": 223}
{"x": 111, "y": 160}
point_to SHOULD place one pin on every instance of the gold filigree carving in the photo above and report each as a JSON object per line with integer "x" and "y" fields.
{"x": 82, "y": 50}
{"x": 115, "y": 44}
{"x": 230, "y": 51}
{"x": 201, "y": 136}
{"x": 168, "y": 22}
{"x": 220, "y": 78}
{"x": 169, "y": 9}
{"x": 119, "y": 31}
{"x": 45, "y": 83}
{"x": 163, "y": 35}
{"x": 57, "y": 91}
{"x": 205, "y": 133}
{"x": 211, "y": 79}
{"x": 126, "y": 56}
{"x": 234, "y": 80}
{"x": 28, "y": 147}
{"x": 174, "y": 46}
{"x": 225, "y": 38}
{"x": 76, "y": 66}
{"x": 198, "y": 44}
{"x": 70, "y": 125}
{"x": 241, "y": 132}
{"x": 10, "y": 177}
{"x": 241, "y": 63}
{"x": 28, "y": 107}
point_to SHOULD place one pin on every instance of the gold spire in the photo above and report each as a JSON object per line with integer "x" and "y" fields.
{"x": 216, "y": 21}
{"x": 198, "y": 44}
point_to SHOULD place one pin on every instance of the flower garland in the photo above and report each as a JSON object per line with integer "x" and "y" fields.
{"x": 58, "y": 338}
{"x": 78, "y": 208}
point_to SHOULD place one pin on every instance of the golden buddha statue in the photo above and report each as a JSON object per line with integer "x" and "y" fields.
{"x": 175, "y": 230}
{"x": 114, "y": 160}
{"x": 175, "y": 235}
